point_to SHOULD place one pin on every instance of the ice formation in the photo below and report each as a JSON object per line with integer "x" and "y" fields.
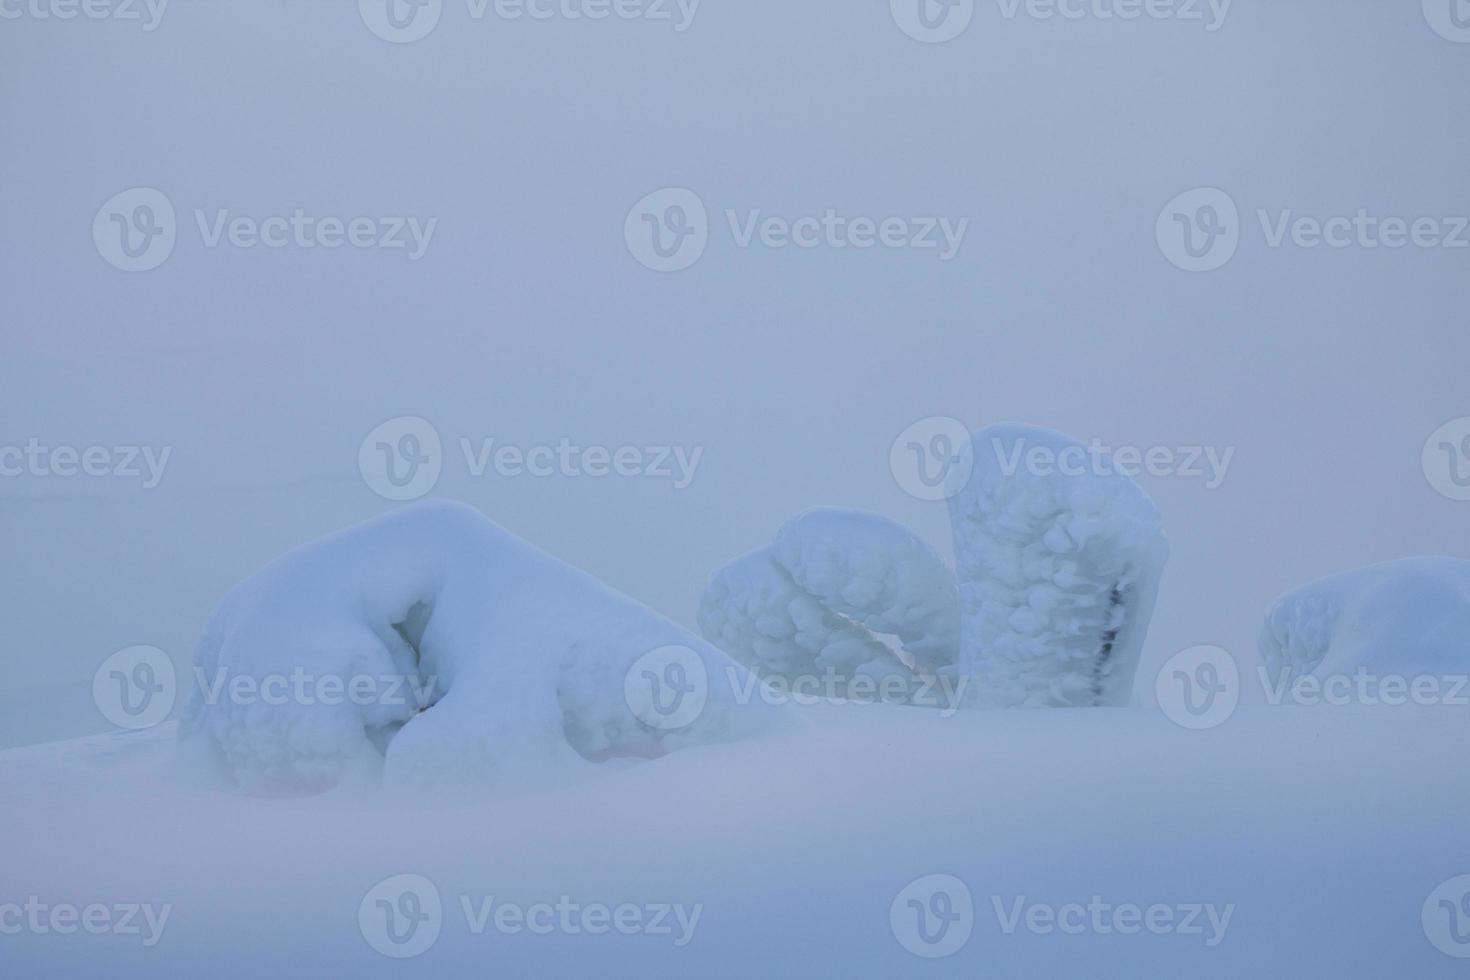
{"x": 1058, "y": 558}
{"x": 1409, "y": 617}
{"x": 479, "y": 662}
{"x": 838, "y": 595}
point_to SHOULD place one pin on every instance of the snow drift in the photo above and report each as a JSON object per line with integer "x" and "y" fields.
{"x": 529, "y": 670}
{"x": 1408, "y": 617}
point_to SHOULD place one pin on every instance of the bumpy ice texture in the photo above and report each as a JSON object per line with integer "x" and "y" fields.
{"x": 1058, "y": 558}
{"x": 840, "y": 593}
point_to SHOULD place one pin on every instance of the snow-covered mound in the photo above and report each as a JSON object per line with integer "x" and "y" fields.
{"x": 841, "y": 594}
{"x": 1058, "y": 558}
{"x": 470, "y": 659}
{"x": 1408, "y": 617}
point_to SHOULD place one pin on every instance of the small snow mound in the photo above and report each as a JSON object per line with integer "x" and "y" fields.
{"x": 840, "y": 593}
{"x": 1408, "y": 617}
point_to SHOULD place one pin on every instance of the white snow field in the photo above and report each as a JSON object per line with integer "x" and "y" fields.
{"x": 1322, "y": 833}
{"x": 532, "y": 668}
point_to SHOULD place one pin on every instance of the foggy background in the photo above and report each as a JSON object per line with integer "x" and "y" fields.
{"x": 529, "y": 321}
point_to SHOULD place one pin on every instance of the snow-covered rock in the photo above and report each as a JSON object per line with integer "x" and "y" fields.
{"x": 1408, "y": 617}
{"x": 480, "y": 662}
{"x": 840, "y": 594}
{"x": 1058, "y": 558}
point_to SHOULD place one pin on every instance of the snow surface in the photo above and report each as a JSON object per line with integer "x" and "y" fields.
{"x": 839, "y": 593}
{"x": 1327, "y": 829}
{"x": 1058, "y": 567}
{"x": 1410, "y": 617}
{"x": 523, "y": 658}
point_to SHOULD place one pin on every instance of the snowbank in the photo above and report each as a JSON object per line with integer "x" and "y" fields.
{"x": 469, "y": 658}
{"x": 1407, "y": 617}
{"x": 1058, "y": 558}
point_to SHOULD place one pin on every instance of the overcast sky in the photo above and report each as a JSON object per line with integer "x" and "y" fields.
{"x": 528, "y": 319}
